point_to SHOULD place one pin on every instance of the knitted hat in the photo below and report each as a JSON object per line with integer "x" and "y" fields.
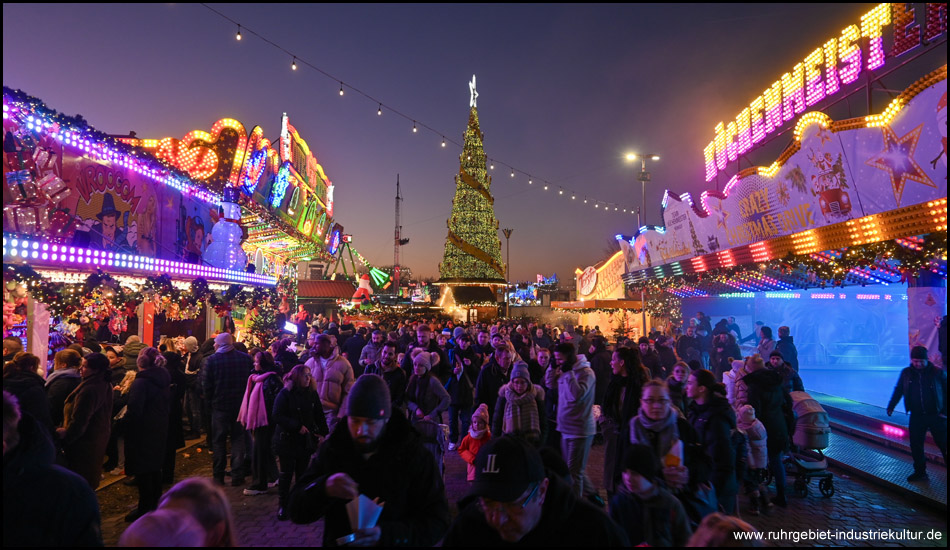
{"x": 918, "y": 352}
{"x": 481, "y": 412}
{"x": 643, "y": 340}
{"x": 642, "y": 460}
{"x": 369, "y": 398}
{"x": 776, "y": 353}
{"x": 504, "y": 469}
{"x": 423, "y": 358}
{"x": 458, "y": 332}
{"x": 520, "y": 370}
{"x": 191, "y": 344}
{"x": 747, "y": 414}
{"x": 661, "y": 340}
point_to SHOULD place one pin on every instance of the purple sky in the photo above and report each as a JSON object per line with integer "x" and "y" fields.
{"x": 564, "y": 92}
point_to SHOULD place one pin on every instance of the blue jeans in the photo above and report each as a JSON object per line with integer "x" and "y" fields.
{"x": 225, "y": 425}
{"x": 456, "y": 415}
{"x": 576, "y": 450}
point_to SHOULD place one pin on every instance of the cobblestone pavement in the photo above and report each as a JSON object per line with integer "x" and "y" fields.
{"x": 857, "y": 507}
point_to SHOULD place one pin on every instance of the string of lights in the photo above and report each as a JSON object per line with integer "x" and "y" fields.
{"x": 298, "y": 62}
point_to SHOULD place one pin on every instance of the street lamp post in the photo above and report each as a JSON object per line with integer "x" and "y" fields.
{"x": 643, "y": 177}
{"x": 507, "y": 233}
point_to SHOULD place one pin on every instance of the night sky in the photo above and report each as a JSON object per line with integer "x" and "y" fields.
{"x": 564, "y": 92}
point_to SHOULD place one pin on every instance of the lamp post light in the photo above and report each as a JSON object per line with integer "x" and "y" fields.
{"x": 507, "y": 233}
{"x": 643, "y": 177}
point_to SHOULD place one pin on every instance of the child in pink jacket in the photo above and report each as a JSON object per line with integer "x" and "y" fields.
{"x": 477, "y": 435}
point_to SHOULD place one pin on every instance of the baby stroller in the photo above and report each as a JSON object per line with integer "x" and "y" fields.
{"x": 806, "y": 461}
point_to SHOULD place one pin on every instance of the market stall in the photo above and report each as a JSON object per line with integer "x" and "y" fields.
{"x": 106, "y": 237}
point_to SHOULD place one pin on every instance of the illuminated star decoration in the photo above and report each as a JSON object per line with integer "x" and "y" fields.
{"x": 823, "y": 134}
{"x": 722, "y": 216}
{"x": 473, "y": 93}
{"x": 897, "y": 158}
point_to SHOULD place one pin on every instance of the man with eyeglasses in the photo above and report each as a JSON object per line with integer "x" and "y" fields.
{"x": 515, "y": 501}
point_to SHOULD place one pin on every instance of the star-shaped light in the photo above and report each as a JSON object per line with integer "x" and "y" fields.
{"x": 473, "y": 93}
{"x": 897, "y": 158}
{"x": 722, "y": 216}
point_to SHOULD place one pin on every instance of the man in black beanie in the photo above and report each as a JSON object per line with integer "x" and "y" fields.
{"x": 377, "y": 454}
{"x": 924, "y": 389}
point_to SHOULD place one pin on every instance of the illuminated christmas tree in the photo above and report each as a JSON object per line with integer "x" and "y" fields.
{"x": 472, "y": 247}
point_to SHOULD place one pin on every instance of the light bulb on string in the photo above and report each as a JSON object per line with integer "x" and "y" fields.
{"x": 560, "y": 191}
{"x": 341, "y": 88}
{"x": 530, "y": 181}
{"x": 293, "y": 64}
{"x": 545, "y": 187}
{"x": 443, "y": 141}
{"x": 512, "y": 173}
{"x": 379, "y": 111}
{"x": 585, "y": 200}
{"x": 573, "y": 197}
{"x": 238, "y": 36}
{"x": 492, "y": 167}
{"x": 414, "y": 129}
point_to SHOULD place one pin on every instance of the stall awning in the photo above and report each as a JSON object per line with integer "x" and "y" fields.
{"x": 336, "y": 290}
{"x": 597, "y": 304}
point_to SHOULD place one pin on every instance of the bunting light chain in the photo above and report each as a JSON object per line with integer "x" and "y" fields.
{"x": 299, "y": 62}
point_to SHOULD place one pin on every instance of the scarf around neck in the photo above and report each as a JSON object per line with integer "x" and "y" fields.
{"x": 647, "y": 431}
{"x": 521, "y": 412}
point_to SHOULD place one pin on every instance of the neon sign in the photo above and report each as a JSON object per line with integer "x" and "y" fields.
{"x": 821, "y": 74}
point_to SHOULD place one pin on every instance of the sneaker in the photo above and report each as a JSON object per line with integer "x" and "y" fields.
{"x": 452, "y": 446}
{"x": 254, "y": 491}
{"x": 917, "y": 476}
{"x": 282, "y": 514}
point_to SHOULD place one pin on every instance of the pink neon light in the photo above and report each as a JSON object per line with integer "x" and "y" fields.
{"x": 893, "y": 431}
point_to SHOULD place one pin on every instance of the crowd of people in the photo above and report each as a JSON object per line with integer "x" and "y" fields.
{"x": 691, "y": 429}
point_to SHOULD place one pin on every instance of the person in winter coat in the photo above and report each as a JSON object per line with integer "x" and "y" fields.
{"x": 63, "y": 380}
{"x": 461, "y": 388}
{"x": 478, "y": 434}
{"x": 263, "y": 385}
{"x": 650, "y": 359}
{"x": 648, "y": 512}
{"x": 520, "y": 408}
{"x": 20, "y": 378}
{"x": 757, "y": 459}
{"x": 766, "y": 344}
{"x": 714, "y": 421}
{"x": 764, "y": 389}
{"x": 575, "y": 383}
{"x": 426, "y": 396}
{"x": 676, "y": 384}
{"x": 176, "y": 431}
{"x": 300, "y": 424}
{"x": 375, "y": 453}
{"x": 147, "y": 429}
{"x": 729, "y": 379}
{"x": 424, "y": 340}
{"x": 786, "y": 346}
{"x": 924, "y": 389}
{"x": 44, "y": 504}
{"x": 87, "y": 419}
{"x": 116, "y": 364}
{"x": 284, "y": 356}
{"x": 133, "y": 346}
{"x": 334, "y": 378}
{"x": 516, "y": 500}
{"x": 790, "y": 378}
{"x": 620, "y": 406}
{"x": 194, "y": 398}
{"x": 388, "y": 368}
{"x": 493, "y": 376}
{"x": 664, "y": 348}
{"x": 599, "y": 359}
{"x": 724, "y": 351}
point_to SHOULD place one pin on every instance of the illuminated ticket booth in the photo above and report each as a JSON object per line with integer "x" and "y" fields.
{"x": 840, "y": 236}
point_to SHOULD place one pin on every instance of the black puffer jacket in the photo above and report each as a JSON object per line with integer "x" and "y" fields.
{"x": 293, "y": 409}
{"x": 714, "y": 422}
{"x": 146, "y": 422}
{"x": 773, "y": 406}
{"x": 400, "y": 473}
{"x": 28, "y": 387}
{"x": 44, "y": 504}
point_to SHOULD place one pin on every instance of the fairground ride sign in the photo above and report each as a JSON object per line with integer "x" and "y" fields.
{"x": 823, "y": 73}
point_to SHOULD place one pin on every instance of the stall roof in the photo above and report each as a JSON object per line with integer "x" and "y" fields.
{"x": 597, "y": 304}
{"x": 325, "y": 289}
{"x": 465, "y": 295}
